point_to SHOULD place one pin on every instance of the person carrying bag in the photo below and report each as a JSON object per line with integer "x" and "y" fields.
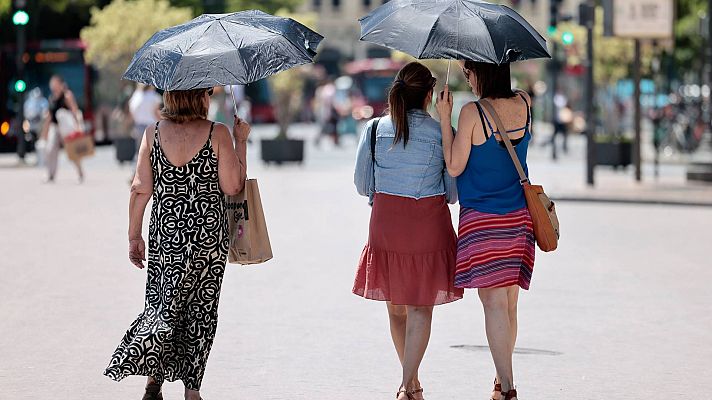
{"x": 540, "y": 206}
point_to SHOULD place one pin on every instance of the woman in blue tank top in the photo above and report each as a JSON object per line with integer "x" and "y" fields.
{"x": 495, "y": 251}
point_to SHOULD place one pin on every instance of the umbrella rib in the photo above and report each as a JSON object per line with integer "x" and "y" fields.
{"x": 401, "y": 6}
{"x": 278, "y": 33}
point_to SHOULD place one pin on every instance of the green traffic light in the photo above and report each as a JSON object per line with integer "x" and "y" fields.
{"x": 551, "y": 30}
{"x": 20, "y": 86}
{"x": 567, "y": 38}
{"x": 20, "y": 17}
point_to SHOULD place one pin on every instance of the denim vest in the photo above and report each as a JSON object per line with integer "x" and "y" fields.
{"x": 416, "y": 170}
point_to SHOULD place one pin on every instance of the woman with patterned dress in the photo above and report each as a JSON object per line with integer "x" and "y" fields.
{"x": 409, "y": 259}
{"x": 187, "y": 164}
{"x": 495, "y": 251}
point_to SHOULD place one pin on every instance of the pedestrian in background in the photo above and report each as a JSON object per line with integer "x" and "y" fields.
{"x": 495, "y": 251}
{"x": 563, "y": 116}
{"x": 409, "y": 260}
{"x": 61, "y": 100}
{"x": 187, "y": 164}
{"x": 327, "y": 115}
{"x": 144, "y": 106}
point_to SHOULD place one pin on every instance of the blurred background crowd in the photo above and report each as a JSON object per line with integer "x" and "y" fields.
{"x": 90, "y": 42}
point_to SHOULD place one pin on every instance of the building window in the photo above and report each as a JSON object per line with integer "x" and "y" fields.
{"x": 316, "y": 5}
{"x": 336, "y": 4}
{"x": 367, "y": 3}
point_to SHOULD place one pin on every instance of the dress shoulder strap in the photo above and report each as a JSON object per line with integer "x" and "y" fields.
{"x": 483, "y": 117}
{"x": 529, "y": 108}
{"x": 212, "y": 126}
{"x": 155, "y": 132}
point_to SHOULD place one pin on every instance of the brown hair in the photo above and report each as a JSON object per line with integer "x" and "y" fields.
{"x": 491, "y": 80}
{"x": 410, "y": 89}
{"x": 184, "y": 105}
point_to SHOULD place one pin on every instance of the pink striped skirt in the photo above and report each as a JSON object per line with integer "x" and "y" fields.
{"x": 494, "y": 250}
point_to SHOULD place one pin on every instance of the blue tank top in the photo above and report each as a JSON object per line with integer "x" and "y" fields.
{"x": 490, "y": 183}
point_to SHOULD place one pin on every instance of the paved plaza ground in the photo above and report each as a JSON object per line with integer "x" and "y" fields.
{"x": 621, "y": 310}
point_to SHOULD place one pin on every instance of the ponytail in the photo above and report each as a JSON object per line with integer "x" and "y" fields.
{"x": 399, "y": 114}
{"x": 410, "y": 89}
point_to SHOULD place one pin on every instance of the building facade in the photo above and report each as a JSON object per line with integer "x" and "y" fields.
{"x": 338, "y": 22}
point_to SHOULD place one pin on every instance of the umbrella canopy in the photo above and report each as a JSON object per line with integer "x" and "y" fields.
{"x": 454, "y": 29}
{"x": 222, "y": 49}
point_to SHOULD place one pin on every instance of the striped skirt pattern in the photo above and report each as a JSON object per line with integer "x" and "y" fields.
{"x": 494, "y": 250}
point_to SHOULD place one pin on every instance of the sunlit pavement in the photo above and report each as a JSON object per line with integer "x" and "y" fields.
{"x": 620, "y": 310}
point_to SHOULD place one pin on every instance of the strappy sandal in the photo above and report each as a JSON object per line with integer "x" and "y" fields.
{"x": 407, "y": 394}
{"x": 497, "y": 388}
{"x": 418, "y": 390}
{"x": 153, "y": 392}
{"x": 509, "y": 395}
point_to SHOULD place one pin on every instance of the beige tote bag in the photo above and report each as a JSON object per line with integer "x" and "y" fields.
{"x": 249, "y": 241}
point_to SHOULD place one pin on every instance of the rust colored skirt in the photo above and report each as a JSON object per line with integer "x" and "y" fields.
{"x": 411, "y": 253}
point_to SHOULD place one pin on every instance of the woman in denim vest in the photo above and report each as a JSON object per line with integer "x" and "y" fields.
{"x": 409, "y": 260}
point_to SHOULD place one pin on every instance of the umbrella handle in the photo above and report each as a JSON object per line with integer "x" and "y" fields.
{"x": 234, "y": 102}
{"x": 447, "y": 78}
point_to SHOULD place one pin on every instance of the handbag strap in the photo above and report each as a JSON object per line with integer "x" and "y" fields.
{"x": 374, "y": 127}
{"x": 507, "y": 143}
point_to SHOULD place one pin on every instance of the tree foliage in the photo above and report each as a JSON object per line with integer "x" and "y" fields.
{"x": 690, "y": 51}
{"x": 118, "y": 30}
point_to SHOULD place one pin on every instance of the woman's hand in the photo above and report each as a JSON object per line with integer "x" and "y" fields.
{"x": 444, "y": 104}
{"x": 137, "y": 252}
{"x": 240, "y": 130}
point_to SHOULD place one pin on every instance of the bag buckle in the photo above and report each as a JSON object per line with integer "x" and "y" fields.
{"x": 523, "y": 181}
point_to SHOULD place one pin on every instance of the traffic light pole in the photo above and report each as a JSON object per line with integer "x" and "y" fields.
{"x": 637, "y": 155}
{"x": 20, "y": 67}
{"x": 590, "y": 18}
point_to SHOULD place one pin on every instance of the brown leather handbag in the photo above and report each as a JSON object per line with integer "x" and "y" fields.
{"x": 541, "y": 208}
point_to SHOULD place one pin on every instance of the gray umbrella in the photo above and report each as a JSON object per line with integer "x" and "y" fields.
{"x": 222, "y": 49}
{"x": 454, "y": 29}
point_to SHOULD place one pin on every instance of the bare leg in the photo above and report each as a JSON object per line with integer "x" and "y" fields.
{"x": 513, "y": 299}
{"x": 52, "y": 156}
{"x": 496, "y": 306}
{"x": 416, "y": 342}
{"x": 192, "y": 394}
{"x": 80, "y": 172}
{"x": 398, "y": 316}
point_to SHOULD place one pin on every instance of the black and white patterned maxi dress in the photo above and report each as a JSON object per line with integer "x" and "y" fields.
{"x": 187, "y": 248}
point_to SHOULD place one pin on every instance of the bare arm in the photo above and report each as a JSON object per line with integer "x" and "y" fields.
{"x": 232, "y": 159}
{"x": 141, "y": 192}
{"x": 456, "y": 149}
{"x": 72, "y": 104}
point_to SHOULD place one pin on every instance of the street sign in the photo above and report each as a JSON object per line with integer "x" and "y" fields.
{"x": 643, "y": 19}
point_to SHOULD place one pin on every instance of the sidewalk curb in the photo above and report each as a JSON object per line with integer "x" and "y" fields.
{"x": 613, "y": 200}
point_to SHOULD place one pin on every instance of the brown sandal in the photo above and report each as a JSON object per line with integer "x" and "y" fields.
{"x": 497, "y": 388}
{"x": 153, "y": 392}
{"x": 509, "y": 395}
{"x": 407, "y": 393}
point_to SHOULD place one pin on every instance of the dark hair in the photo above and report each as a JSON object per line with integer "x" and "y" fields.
{"x": 491, "y": 80}
{"x": 58, "y": 77}
{"x": 410, "y": 89}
